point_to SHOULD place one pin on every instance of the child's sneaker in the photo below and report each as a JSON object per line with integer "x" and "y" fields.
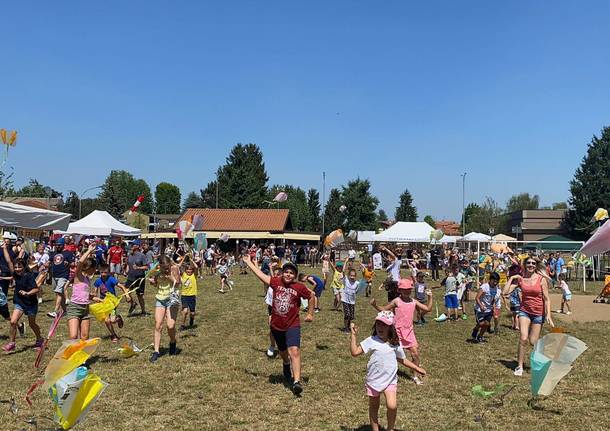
{"x": 119, "y": 321}
{"x": 40, "y": 300}
{"x": 172, "y": 349}
{"x": 9, "y": 347}
{"x": 115, "y": 339}
{"x": 270, "y": 352}
{"x": 21, "y": 329}
{"x": 417, "y": 380}
{"x": 518, "y": 371}
{"x": 154, "y": 356}
{"x": 568, "y": 313}
{"x": 39, "y": 343}
{"x": 297, "y": 388}
{"x": 52, "y": 314}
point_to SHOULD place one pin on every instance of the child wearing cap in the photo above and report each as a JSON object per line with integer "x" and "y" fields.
{"x": 404, "y": 308}
{"x": 337, "y": 283}
{"x": 382, "y": 368}
{"x": 488, "y": 298}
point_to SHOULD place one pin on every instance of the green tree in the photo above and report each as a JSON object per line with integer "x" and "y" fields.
{"x": 71, "y": 205}
{"x": 313, "y": 207}
{"x": 590, "y": 187}
{"x": 381, "y": 215}
{"x": 560, "y": 206}
{"x": 34, "y": 189}
{"x": 6, "y": 184}
{"x": 193, "y": 200}
{"x": 208, "y": 196}
{"x": 120, "y": 191}
{"x": 361, "y": 205}
{"x": 406, "y": 211}
{"x": 428, "y": 219}
{"x": 296, "y": 204}
{"x": 333, "y": 217}
{"x": 167, "y": 198}
{"x": 522, "y": 201}
{"x": 243, "y": 179}
{"x": 484, "y": 218}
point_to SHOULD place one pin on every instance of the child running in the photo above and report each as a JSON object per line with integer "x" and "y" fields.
{"x": 403, "y": 309}
{"x": 367, "y": 274}
{"x": 107, "y": 284}
{"x": 189, "y": 296}
{"x": 566, "y": 295}
{"x": 26, "y": 302}
{"x": 166, "y": 307}
{"x": 77, "y": 311}
{"x": 382, "y": 368}
{"x": 488, "y": 299}
{"x": 318, "y": 285}
{"x": 348, "y": 298}
{"x": 285, "y": 323}
{"x": 223, "y": 269}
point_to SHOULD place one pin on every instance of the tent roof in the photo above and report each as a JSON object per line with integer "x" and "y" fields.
{"x": 102, "y": 224}
{"x": 447, "y": 239}
{"x": 502, "y": 237}
{"x": 366, "y": 235}
{"x": 556, "y": 242}
{"x": 403, "y": 231}
{"x": 476, "y": 237}
{"x": 599, "y": 242}
{"x": 25, "y": 217}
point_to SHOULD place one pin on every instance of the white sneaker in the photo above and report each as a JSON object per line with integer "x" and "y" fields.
{"x": 518, "y": 371}
{"x": 40, "y": 300}
{"x": 417, "y": 380}
{"x": 568, "y": 313}
{"x": 559, "y": 311}
{"x": 52, "y": 314}
{"x": 270, "y": 352}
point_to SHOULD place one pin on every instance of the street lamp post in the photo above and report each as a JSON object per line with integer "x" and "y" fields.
{"x": 463, "y": 204}
{"x": 80, "y": 199}
{"x": 323, "y": 198}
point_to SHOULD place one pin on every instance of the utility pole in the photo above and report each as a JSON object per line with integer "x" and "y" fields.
{"x": 463, "y": 203}
{"x": 323, "y": 199}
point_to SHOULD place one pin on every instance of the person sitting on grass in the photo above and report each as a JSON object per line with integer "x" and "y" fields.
{"x": 382, "y": 368}
{"x": 404, "y": 308}
{"x": 487, "y": 300}
{"x": 189, "y": 296}
{"x": 566, "y": 294}
{"x": 285, "y": 323}
{"x": 107, "y": 284}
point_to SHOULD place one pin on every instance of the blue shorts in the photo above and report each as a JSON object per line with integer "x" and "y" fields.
{"x": 483, "y": 316}
{"x": 289, "y": 338}
{"x": 538, "y": 320}
{"x": 189, "y": 302}
{"x": 567, "y": 297}
{"x": 318, "y": 290}
{"x": 451, "y": 301}
{"x": 28, "y": 310}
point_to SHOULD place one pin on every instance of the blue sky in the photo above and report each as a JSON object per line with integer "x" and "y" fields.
{"x": 406, "y": 94}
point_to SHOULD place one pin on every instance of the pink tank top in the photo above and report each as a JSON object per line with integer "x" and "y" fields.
{"x": 403, "y": 314}
{"x": 80, "y": 292}
{"x": 532, "y": 301}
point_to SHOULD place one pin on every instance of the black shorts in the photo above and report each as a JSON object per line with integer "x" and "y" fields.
{"x": 483, "y": 316}
{"x": 189, "y": 302}
{"x": 139, "y": 282}
{"x": 289, "y": 338}
{"x": 4, "y": 312}
{"x": 269, "y": 310}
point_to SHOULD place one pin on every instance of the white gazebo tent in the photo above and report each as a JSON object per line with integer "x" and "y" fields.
{"x": 404, "y": 232}
{"x": 25, "y": 217}
{"x": 476, "y": 237}
{"x": 100, "y": 223}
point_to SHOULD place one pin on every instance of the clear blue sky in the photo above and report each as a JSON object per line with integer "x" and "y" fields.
{"x": 406, "y": 94}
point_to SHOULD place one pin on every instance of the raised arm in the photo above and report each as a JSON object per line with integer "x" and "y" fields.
{"x": 388, "y": 307}
{"x": 354, "y": 347}
{"x": 427, "y": 307}
{"x": 7, "y": 256}
{"x": 82, "y": 260}
{"x": 256, "y": 270}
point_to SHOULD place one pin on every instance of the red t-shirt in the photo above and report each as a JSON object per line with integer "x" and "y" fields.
{"x": 115, "y": 253}
{"x": 286, "y": 303}
{"x": 532, "y": 301}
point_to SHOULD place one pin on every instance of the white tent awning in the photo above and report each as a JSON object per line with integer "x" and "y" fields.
{"x": 366, "y": 235}
{"x": 100, "y": 223}
{"x": 25, "y": 217}
{"x": 405, "y": 232}
{"x": 476, "y": 237}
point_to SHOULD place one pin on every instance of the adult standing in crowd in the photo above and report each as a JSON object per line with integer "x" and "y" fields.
{"x": 116, "y": 259}
{"x": 136, "y": 269}
{"x": 5, "y": 271}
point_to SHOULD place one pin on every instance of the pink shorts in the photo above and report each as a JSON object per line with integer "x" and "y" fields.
{"x": 373, "y": 393}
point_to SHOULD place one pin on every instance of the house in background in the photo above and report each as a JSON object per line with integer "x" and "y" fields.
{"x": 53, "y": 204}
{"x": 448, "y": 227}
{"x": 534, "y": 225}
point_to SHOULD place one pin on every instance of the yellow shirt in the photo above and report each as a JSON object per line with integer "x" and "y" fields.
{"x": 337, "y": 282}
{"x": 368, "y": 274}
{"x": 164, "y": 287}
{"x": 189, "y": 285}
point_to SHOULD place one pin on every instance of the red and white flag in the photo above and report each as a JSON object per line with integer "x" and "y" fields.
{"x": 135, "y": 206}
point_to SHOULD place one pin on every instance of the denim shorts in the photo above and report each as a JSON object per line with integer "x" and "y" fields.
{"x": 538, "y": 320}
{"x": 567, "y": 297}
{"x": 28, "y": 310}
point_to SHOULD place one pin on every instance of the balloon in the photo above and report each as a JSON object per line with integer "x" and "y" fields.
{"x": 342, "y": 208}
{"x": 600, "y": 214}
{"x": 197, "y": 222}
{"x": 201, "y": 242}
{"x": 436, "y": 234}
{"x": 552, "y": 359}
{"x": 334, "y": 238}
{"x": 281, "y": 197}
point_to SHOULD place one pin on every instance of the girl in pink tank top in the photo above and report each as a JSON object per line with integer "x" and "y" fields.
{"x": 404, "y": 308}
{"x": 77, "y": 312}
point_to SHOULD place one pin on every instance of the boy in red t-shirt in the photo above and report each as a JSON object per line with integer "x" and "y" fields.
{"x": 285, "y": 323}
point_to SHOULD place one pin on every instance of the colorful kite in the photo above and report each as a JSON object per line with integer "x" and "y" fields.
{"x": 281, "y": 197}
{"x": 101, "y": 310}
{"x": 201, "y": 241}
{"x": 600, "y": 214}
{"x": 334, "y": 238}
{"x": 136, "y": 204}
{"x": 9, "y": 139}
{"x": 184, "y": 229}
{"x": 197, "y": 222}
{"x": 552, "y": 359}
{"x": 436, "y": 235}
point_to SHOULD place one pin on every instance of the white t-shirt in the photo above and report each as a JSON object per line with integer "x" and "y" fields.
{"x": 565, "y": 288}
{"x": 351, "y": 253}
{"x": 382, "y": 367}
{"x": 394, "y": 270}
{"x": 488, "y": 299}
{"x": 377, "y": 261}
{"x": 348, "y": 294}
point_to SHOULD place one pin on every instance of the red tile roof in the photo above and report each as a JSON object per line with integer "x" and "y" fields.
{"x": 448, "y": 227}
{"x": 250, "y": 220}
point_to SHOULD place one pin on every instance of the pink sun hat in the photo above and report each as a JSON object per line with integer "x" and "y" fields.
{"x": 386, "y": 317}
{"x": 405, "y": 283}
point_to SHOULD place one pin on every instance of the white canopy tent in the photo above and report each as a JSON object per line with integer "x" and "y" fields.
{"x": 366, "y": 236}
{"x": 599, "y": 242}
{"x": 476, "y": 237}
{"x": 449, "y": 239}
{"x": 100, "y": 223}
{"x": 25, "y": 217}
{"x": 403, "y": 231}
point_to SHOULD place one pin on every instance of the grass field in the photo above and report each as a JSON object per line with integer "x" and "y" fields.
{"x": 222, "y": 380}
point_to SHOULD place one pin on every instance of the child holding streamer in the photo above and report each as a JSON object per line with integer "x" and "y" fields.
{"x": 166, "y": 304}
{"x": 382, "y": 368}
{"x": 77, "y": 311}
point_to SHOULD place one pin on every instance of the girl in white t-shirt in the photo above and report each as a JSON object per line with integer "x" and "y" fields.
{"x": 382, "y": 369}
{"x": 566, "y": 295}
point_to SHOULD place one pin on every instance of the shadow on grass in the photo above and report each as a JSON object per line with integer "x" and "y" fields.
{"x": 363, "y": 428}
{"x": 102, "y": 360}
{"x": 511, "y": 365}
{"x": 321, "y": 347}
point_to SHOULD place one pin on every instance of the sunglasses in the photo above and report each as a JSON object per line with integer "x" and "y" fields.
{"x": 531, "y": 262}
